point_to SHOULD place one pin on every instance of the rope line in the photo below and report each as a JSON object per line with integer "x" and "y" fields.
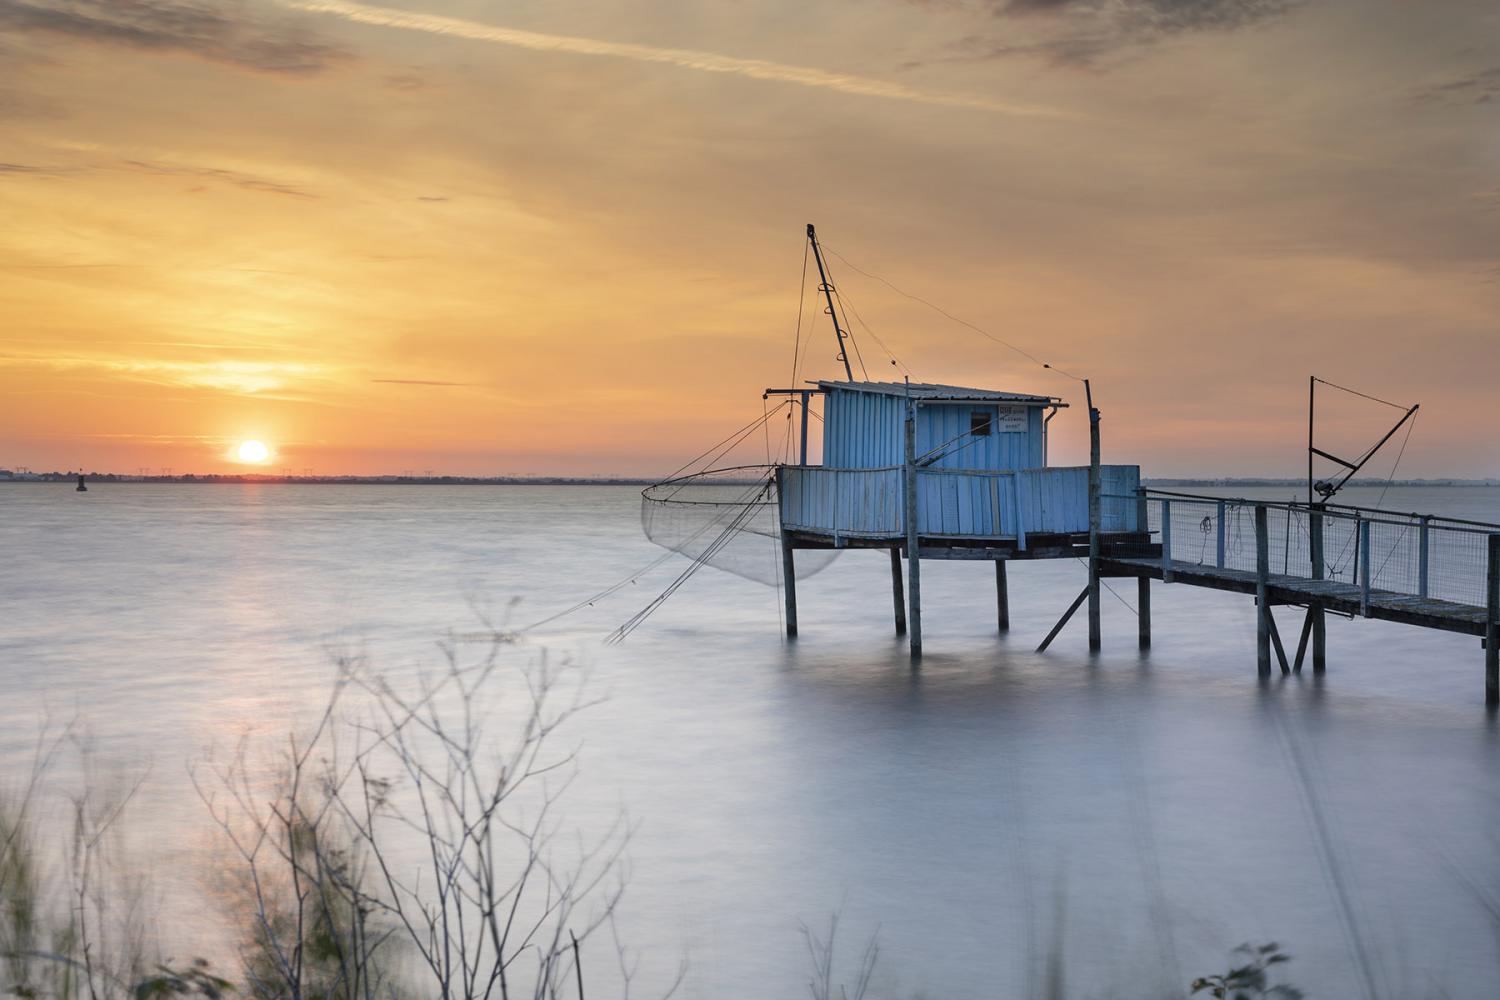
{"x": 1356, "y": 392}
{"x": 733, "y": 528}
{"x": 801, "y": 305}
{"x": 962, "y": 322}
{"x": 738, "y": 436}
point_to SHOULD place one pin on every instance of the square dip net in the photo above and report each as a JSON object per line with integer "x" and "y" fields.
{"x": 728, "y": 519}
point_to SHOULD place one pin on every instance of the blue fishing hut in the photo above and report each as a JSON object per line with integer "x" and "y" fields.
{"x": 947, "y": 472}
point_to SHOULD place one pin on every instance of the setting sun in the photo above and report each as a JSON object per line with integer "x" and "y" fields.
{"x": 253, "y": 452}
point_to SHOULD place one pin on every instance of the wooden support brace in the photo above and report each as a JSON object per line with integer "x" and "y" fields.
{"x": 1276, "y": 642}
{"x": 1083, "y": 595}
{"x": 1307, "y": 624}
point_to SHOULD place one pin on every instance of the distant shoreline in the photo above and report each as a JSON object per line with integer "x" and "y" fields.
{"x": 232, "y": 479}
{"x": 235, "y": 479}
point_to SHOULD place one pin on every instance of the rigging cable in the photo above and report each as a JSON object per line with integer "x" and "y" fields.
{"x": 738, "y": 436}
{"x": 895, "y": 361}
{"x": 801, "y": 303}
{"x": 1355, "y": 392}
{"x": 1406, "y": 529}
{"x": 962, "y": 322}
{"x": 733, "y": 528}
{"x": 858, "y": 354}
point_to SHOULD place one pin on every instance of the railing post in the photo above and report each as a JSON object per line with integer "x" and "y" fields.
{"x": 1354, "y": 569}
{"x": 1262, "y": 595}
{"x": 1166, "y": 541}
{"x": 1492, "y": 625}
{"x": 1422, "y": 539}
{"x": 1364, "y": 573}
{"x": 1219, "y": 545}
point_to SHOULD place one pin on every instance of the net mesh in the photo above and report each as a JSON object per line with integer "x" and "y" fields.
{"x": 727, "y": 519}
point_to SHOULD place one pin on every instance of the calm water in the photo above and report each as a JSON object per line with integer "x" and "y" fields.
{"x": 1143, "y": 814}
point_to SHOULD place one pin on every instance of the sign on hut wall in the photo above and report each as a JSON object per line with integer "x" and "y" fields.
{"x": 1012, "y": 420}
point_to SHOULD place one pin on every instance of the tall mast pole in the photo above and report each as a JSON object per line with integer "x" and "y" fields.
{"x": 827, "y": 290}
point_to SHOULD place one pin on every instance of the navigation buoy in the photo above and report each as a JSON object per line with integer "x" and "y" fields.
{"x": 81, "y": 487}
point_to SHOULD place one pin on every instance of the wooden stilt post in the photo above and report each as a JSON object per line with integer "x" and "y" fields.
{"x": 1095, "y": 638}
{"x": 1365, "y": 571}
{"x": 913, "y": 549}
{"x": 1002, "y": 597}
{"x": 789, "y": 581}
{"x": 1492, "y": 627}
{"x": 1262, "y": 595}
{"x": 788, "y": 562}
{"x": 1143, "y": 609}
{"x": 898, "y": 594}
{"x": 1319, "y": 620}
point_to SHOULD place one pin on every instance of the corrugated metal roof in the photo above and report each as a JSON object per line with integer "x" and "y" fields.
{"x": 933, "y": 391}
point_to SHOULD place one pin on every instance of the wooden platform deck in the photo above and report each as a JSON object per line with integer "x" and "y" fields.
{"x": 1343, "y": 598}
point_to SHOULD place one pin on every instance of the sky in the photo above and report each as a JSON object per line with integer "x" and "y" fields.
{"x": 488, "y": 238}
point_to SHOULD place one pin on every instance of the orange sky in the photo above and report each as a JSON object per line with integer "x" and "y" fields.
{"x": 485, "y": 238}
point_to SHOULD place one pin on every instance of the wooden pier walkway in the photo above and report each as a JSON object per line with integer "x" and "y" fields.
{"x": 1343, "y": 598}
{"x": 1415, "y": 569}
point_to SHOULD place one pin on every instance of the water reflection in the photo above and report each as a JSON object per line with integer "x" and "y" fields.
{"x": 998, "y": 815}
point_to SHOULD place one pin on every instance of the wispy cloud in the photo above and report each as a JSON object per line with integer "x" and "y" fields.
{"x": 220, "y": 31}
{"x": 691, "y": 59}
{"x": 238, "y": 377}
{"x": 250, "y": 182}
{"x": 1081, "y": 32}
{"x": 1479, "y": 87}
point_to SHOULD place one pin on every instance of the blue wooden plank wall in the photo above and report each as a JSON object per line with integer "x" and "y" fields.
{"x": 863, "y": 430}
{"x": 956, "y": 503}
{"x": 945, "y": 427}
{"x": 867, "y": 430}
